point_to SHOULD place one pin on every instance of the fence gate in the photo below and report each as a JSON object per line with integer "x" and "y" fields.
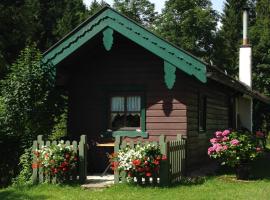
{"x": 171, "y": 170}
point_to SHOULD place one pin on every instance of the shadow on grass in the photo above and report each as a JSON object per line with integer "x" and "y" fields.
{"x": 259, "y": 169}
{"x": 13, "y": 194}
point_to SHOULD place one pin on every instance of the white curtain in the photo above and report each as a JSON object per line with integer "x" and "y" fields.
{"x": 118, "y": 104}
{"x": 134, "y": 103}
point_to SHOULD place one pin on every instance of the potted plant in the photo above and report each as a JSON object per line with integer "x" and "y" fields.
{"x": 235, "y": 149}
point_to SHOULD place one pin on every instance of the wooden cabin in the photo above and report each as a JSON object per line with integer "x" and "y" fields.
{"x": 121, "y": 78}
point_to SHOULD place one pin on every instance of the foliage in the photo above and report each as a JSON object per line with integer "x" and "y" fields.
{"x": 56, "y": 160}
{"x": 142, "y": 11}
{"x": 30, "y": 101}
{"x": 220, "y": 187}
{"x": 40, "y": 21}
{"x": 60, "y": 127}
{"x": 25, "y": 174}
{"x": 95, "y": 6}
{"x": 141, "y": 161}
{"x": 28, "y": 106}
{"x": 190, "y": 25}
{"x": 233, "y": 148}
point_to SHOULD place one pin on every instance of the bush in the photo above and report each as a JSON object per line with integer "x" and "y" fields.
{"x": 57, "y": 160}
{"x": 233, "y": 148}
{"x": 25, "y": 164}
{"x": 29, "y": 105}
{"x": 141, "y": 161}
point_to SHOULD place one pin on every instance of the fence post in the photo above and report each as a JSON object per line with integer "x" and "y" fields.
{"x": 35, "y": 165}
{"x": 116, "y": 149}
{"x": 83, "y": 158}
{"x": 40, "y": 143}
{"x": 165, "y": 164}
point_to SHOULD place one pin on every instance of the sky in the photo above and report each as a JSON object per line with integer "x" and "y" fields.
{"x": 217, "y": 4}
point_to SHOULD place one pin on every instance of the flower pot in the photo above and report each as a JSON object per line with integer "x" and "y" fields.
{"x": 243, "y": 171}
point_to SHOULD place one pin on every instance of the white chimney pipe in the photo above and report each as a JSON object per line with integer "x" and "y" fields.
{"x": 245, "y": 27}
{"x": 245, "y": 57}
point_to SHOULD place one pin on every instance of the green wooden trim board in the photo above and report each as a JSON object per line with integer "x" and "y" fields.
{"x": 107, "y": 21}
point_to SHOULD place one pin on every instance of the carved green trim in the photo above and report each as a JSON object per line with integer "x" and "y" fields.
{"x": 108, "y": 38}
{"x": 169, "y": 74}
{"x": 131, "y": 134}
{"x": 109, "y": 18}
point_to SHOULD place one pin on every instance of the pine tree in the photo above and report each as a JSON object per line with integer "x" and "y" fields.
{"x": 142, "y": 11}
{"x": 190, "y": 25}
{"x": 95, "y": 6}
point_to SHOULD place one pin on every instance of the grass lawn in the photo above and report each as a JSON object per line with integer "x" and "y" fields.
{"x": 218, "y": 187}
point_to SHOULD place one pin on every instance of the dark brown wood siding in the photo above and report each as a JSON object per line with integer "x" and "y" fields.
{"x": 217, "y": 118}
{"x": 92, "y": 74}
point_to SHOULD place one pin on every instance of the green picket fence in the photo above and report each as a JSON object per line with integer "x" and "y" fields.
{"x": 78, "y": 174}
{"x": 171, "y": 170}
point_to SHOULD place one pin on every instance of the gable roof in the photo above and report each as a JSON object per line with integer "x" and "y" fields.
{"x": 109, "y": 18}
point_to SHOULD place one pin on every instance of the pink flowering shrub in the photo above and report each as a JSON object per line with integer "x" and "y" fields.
{"x": 233, "y": 148}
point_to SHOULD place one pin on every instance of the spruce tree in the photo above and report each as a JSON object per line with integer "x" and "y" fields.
{"x": 142, "y": 11}
{"x": 190, "y": 25}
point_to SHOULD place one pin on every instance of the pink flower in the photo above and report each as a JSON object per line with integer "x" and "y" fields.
{"x": 218, "y": 134}
{"x": 211, "y": 150}
{"x": 219, "y": 148}
{"x": 235, "y": 142}
{"x": 225, "y": 147}
{"x": 225, "y": 133}
{"x": 258, "y": 149}
{"x": 225, "y": 139}
{"x": 214, "y": 140}
{"x": 259, "y": 134}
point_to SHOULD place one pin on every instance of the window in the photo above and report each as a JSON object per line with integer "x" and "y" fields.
{"x": 125, "y": 112}
{"x": 202, "y": 113}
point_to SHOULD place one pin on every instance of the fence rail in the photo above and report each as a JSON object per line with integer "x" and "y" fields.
{"x": 78, "y": 173}
{"x": 171, "y": 169}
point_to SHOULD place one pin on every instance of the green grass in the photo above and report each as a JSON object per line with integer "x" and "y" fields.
{"x": 214, "y": 188}
{"x": 218, "y": 187}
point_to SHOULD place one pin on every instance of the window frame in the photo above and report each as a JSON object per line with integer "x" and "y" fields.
{"x": 142, "y": 110}
{"x": 202, "y": 107}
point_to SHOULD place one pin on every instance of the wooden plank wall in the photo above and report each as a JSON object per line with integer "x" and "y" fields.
{"x": 128, "y": 65}
{"x": 170, "y": 112}
{"x": 217, "y": 118}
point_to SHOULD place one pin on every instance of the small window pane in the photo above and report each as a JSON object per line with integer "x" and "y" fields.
{"x": 118, "y": 104}
{"x": 118, "y": 120}
{"x": 133, "y": 120}
{"x": 134, "y": 104}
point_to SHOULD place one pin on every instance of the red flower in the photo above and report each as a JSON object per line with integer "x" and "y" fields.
{"x": 35, "y": 165}
{"x": 146, "y": 162}
{"x": 136, "y": 162}
{"x": 156, "y": 162}
{"x": 148, "y": 174}
{"x": 140, "y": 169}
{"x": 147, "y": 169}
{"x": 75, "y": 158}
{"x": 67, "y": 156}
{"x": 164, "y": 157}
{"x": 156, "y": 169}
